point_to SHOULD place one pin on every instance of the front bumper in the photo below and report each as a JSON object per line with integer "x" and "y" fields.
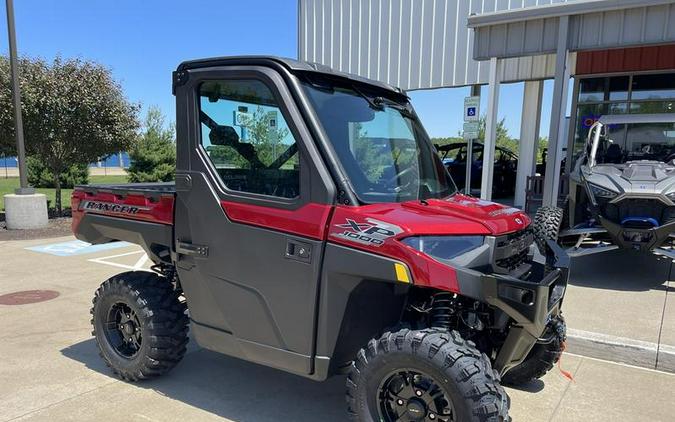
{"x": 643, "y": 240}
{"x": 529, "y": 303}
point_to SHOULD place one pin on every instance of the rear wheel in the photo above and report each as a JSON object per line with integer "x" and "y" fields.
{"x": 424, "y": 375}
{"x": 543, "y": 355}
{"x": 139, "y": 324}
{"x": 546, "y": 226}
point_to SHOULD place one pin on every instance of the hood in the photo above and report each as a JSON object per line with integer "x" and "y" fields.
{"x": 634, "y": 177}
{"x": 455, "y": 215}
{"x": 496, "y": 218}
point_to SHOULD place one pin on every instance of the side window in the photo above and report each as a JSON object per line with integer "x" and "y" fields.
{"x": 247, "y": 138}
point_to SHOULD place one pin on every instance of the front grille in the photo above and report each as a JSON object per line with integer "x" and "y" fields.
{"x": 511, "y": 252}
{"x": 512, "y": 262}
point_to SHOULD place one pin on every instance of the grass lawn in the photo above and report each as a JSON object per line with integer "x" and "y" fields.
{"x": 8, "y": 186}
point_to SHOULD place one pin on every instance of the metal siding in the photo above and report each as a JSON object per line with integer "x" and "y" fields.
{"x": 612, "y": 33}
{"x": 632, "y": 26}
{"x": 437, "y": 46}
{"x": 669, "y": 30}
{"x": 414, "y": 44}
{"x": 650, "y": 24}
{"x": 533, "y": 33}
{"x": 623, "y": 60}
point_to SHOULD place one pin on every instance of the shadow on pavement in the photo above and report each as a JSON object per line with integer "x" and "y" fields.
{"x": 621, "y": 270}
{"x": 533, "y": 386}
{"x": 235, "y": 389}
{"x": 243, "y": 391}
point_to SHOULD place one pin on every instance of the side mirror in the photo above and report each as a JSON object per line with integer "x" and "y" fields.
{"x": 223, "y": 135}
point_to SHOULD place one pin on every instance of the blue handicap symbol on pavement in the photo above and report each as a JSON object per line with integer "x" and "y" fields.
{"x": 75, "y": 247}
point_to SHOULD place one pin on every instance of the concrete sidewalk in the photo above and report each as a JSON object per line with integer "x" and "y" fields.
{"x": 620, "y": 306}
{"x": 51, "y": 370}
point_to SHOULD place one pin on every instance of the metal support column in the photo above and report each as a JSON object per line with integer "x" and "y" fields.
{"x": 552, "y": 178}
{"x": 475, "y": 92}
{"x": 490, "y": 130}
{"x": 529, "y": 138}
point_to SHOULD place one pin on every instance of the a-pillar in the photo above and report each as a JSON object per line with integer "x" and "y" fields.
{"x": 529, "y": 138}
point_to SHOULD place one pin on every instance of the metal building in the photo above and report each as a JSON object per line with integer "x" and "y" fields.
{"x": 421, "y": 44}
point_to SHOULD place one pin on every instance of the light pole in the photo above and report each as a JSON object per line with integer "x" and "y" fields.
{"x": 24, "y": 189}
{"x": 24, "y": 209}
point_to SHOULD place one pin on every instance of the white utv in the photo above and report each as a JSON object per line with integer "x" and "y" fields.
{"x": 622, "y": 189}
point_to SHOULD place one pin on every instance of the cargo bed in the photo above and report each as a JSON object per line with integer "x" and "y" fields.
{"x": 140, "y": 213}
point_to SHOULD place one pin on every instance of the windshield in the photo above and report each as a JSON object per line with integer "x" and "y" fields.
{"x": 637, "y": 141}
{"x": 380, "y": 144}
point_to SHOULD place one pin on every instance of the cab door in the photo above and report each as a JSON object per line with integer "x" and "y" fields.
{"x": 253, "y": 203}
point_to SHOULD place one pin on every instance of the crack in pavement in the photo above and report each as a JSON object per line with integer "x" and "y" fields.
{"x": 567, "y": 387}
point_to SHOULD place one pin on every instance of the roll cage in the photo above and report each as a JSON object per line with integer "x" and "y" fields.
{"x": 599, "y": 129}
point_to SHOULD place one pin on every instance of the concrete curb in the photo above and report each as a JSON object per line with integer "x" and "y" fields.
{"x": 621, "y": 349}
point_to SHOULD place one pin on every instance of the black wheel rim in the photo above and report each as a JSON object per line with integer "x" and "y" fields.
{"x": 123, "y": 330}
{"x": 410, "y": 395}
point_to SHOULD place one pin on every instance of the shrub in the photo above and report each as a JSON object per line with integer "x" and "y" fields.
{"x": 153, "y": 156}
{"x": 40, "y": 176}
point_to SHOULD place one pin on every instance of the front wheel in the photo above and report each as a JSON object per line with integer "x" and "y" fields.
{"x": 139, "y": 324}
{"x": 424, "y": 375}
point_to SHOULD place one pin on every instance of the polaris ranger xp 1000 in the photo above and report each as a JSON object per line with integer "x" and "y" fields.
{"x": 313, "y": 228}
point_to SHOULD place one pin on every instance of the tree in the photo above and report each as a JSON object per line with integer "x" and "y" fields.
{"x": 73, "y": 113}
{"x": 266, "y": 136}
{"x": 502, "y": 139}
{"x": 153, "y": 157}
{"x": 447, "y": 140}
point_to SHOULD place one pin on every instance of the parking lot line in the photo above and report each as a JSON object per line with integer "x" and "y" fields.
{"x": 137, "y": 266}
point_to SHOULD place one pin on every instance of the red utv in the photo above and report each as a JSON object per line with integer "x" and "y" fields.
{"x": 313, "y": 228}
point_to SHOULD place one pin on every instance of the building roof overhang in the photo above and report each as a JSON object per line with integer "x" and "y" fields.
{"x": 593, "y": 24}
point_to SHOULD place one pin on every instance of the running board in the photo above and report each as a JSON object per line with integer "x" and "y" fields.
{"x": 579, "y": 252}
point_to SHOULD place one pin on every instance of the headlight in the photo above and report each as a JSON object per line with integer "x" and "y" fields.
{"x": 671, "y": 196}
{"x": 444, "y": 247}
{"x": 602, "y": 193}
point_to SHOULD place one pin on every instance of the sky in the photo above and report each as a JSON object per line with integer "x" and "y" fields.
{"x": 142, "y": 42}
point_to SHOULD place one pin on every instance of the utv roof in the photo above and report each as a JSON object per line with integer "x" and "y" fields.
{"x": 616, "y": 119}
{"x": 290, "y": 64}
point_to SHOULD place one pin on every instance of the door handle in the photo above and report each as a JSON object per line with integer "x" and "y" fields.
{"x": 186, "y": 248}
{"x": 299, "y": 251}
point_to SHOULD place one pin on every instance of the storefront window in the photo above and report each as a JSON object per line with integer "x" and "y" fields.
{"x": 587, "y": 114}
{"x": 636, "y": 94}
{"x": 653, "y": 87}
{"x": 650, "y": 141}
{"x": 596, "y": 90}
{"x": 648, "y": 107}
{"x": 592, "y": 90}
{"x": 618, "y": 108}
{"x": 618, "y": 88}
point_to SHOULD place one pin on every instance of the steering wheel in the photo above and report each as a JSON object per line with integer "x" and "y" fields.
{"x": 392, "y": 180}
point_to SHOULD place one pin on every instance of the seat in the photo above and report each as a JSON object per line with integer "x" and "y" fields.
{"x": 613, "y": 154}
